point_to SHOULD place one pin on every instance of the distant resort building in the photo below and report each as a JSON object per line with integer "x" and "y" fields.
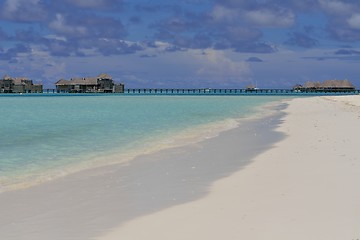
{"x": 19, "y": 85}
{"x": 100, "y": 84}
{"x": 326, "y": 86}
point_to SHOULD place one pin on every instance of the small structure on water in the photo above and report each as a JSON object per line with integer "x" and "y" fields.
{"x": 19, "y": 85}
{"x": 326, "y": 86}
{"x": 100, "y": 84}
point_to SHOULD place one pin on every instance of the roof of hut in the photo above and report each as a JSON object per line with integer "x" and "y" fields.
{"x": 104, "y": 76}
{"x": 6, "y": 77}
{"x": 78, "y": 81}
{"x": 330, "y": 84}
{"x": 310, "y": 84}
{"x": 20, "y": 80}
{"x": 62, "y": 82}
{"x": 250, "y": 87}
{"x": 83, "y": 81}
{"x": 338, "y": 84}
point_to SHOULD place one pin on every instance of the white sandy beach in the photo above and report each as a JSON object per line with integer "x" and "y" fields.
{"x": 295, "y": 175}
{"x": 306, "y": 187}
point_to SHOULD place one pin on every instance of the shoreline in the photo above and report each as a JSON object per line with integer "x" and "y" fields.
{"x": 89, "y": 203}
{"x": 292, "y": 175}
{"x": 304, "y": 187}
{"x": 184, "y": 137}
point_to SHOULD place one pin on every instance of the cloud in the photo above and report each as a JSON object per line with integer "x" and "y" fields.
{"x": 102, "y": 34}
{"x": 336, "y": 7}
{"x": 78, "y": 28}
{"x": 271, "y": 18}
{"x": 343, "y": 19}
{"x": 11, "y": 53}
{"x": 301, "y": 40}
{"x": 260, "y": 47}
{"x": 23, "y": 10}
{"x": 60, "y": 25}
{"x": 173, "y": 48}
{"x": 254, "y": 59}
{"x": 354, "y": 21}
{"x": 3, "y": 35}
{"x": 343, "y": 33}
{"x": 87, "y": 26}
{"x": 216, "y": 66}
{"x": 109, "y": 47}
{"x": 148, "y": 55}
{"x": 96, "y": 4}
{"x": 27, "y": 35}
{"x": 347, "y": 52}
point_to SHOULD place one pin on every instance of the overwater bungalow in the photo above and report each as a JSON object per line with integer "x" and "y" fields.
{"x": 326, "y": 86}
{"x": 19, "y": 85}
{"x": 100, "y": 84}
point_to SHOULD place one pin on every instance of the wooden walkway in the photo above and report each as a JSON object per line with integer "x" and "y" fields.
{"x": 235, "y": 92}
{"x": 208, "y": 91}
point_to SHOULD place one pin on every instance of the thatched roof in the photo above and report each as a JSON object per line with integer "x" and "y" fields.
{"x": 104, "y": 76}
{"x": 250, "y": 87}
{"x": 338, "y": 84}
{"x": 312, "y": 84}
{"x": 20, "y": 80}
{"x": 329, "y": 84}
{"x": 62, "y": 82}
{"x": 7, "y": 77}
{"x": 83, "y": 81}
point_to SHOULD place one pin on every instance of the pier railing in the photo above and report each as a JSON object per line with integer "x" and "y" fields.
{"x": 210, "y": 91}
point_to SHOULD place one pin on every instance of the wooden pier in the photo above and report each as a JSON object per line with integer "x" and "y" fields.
{"x": 210, "y": 91}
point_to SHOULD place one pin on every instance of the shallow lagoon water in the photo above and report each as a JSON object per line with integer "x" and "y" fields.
{"x": 45, "y": 136}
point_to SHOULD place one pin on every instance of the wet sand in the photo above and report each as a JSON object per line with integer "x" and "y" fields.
{"x": 89, "y": 204}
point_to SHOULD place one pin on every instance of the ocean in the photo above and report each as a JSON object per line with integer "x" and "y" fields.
{"x": 46, "y": 136}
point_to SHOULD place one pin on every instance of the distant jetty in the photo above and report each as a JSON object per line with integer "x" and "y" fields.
{"x": 104, "y": 83}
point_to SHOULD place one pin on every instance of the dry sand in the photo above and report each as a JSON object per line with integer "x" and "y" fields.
{"x": 306, "y": 187}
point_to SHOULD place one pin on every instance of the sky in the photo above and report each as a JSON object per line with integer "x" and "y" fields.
{"x": 182, "y": 43}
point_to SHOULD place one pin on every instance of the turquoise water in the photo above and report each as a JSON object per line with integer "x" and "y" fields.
{"x": 44, "y": 136}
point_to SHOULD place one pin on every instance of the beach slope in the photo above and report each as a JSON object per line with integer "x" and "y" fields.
{"x": 305, "y": 187}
